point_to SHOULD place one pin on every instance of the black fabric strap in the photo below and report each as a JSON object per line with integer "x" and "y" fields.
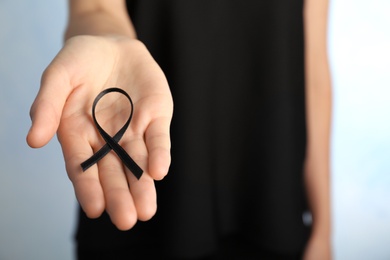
{"x": 112, "y": 142}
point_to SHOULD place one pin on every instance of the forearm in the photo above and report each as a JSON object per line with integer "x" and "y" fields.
{"x": 318, "y": 104}
{"x": 317, "y": 166}
{"x": 98, "y": 17}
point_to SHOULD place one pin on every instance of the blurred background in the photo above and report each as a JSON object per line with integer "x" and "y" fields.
{"x": 37, "y": 204}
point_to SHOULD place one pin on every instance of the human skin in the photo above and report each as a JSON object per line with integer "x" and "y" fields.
{"x": 318, "y": 114}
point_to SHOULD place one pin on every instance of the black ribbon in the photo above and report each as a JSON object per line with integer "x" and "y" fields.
{"x": 112, "y": 142}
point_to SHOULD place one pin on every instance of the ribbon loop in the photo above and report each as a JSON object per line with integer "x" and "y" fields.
{"x": 112, "y": 142}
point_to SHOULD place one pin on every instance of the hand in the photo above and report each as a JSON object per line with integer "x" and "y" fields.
{"x": 318, "y": 248}
{"x": 83, "y": 68}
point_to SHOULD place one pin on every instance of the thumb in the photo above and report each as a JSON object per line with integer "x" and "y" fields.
{"x": 47, "y": 107}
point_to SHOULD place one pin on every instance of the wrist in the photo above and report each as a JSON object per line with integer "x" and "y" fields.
{"x": 321, "y": 230}
{"x": 98, "y": 24}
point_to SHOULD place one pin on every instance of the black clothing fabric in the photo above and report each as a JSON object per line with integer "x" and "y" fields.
{"x": 236, "y": 72}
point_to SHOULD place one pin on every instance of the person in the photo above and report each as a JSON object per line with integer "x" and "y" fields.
{"x": 250, "y": 133}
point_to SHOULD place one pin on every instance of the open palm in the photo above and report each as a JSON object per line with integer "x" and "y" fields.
{"x": 82, "y": 69}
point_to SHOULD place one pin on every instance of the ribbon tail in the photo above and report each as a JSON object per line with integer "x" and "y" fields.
{"x": 96, "y": 157}
{"x": 126, "y": 159}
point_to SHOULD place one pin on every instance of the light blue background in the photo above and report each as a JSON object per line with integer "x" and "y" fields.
{"x": 37, "y": 205}
{"x": 360, "y": 60}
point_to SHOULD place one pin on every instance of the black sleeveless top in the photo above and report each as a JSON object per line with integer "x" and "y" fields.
{"x": 236, "y": 73}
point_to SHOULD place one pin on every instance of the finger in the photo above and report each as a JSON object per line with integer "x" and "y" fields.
{"x": 119, "y": 203}
{"x": 142, "y": 190}
{"x": 47, "y": 108}
{"x": 144, "y": 195}
{"x": 88, "y": 189}
{"x": 158, "y": 142}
